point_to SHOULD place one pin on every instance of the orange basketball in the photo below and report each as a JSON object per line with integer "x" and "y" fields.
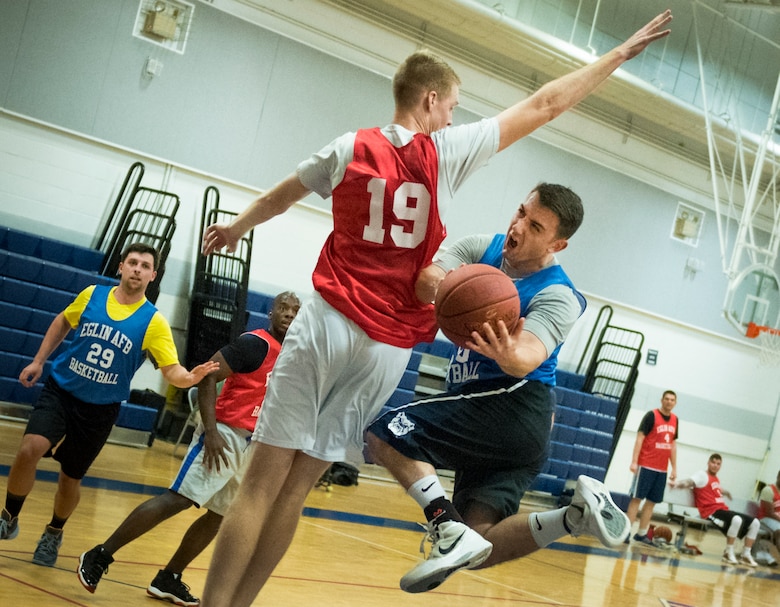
{"x": 474, "y": 294}
{"x": 662, "y": 532}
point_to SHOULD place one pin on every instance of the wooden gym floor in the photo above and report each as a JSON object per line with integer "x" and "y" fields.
{"x": 352, "y": 546}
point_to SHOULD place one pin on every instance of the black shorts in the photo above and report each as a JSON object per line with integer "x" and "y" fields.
{"x": 82, "y": 428}
{"x": 493, "y": 435}
{"x": 722, "y": 520}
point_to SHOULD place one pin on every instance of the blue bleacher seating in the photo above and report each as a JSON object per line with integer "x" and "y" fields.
{"x": 560, "y": 450}
{"x": 39, "y": 277}
{"x": 414, "y": 361}
{"x": 563, "y": 433}
{"x": 585, "y": 423}
{"x": 136, "y": 417}
{"x": 568, "y": 379}
{"x": 559, "y": 468}
{"x": 547, "y": 483}
{"x": 257, "y": 320}
{"x": 49, "y": 249}
{"x": 586, "y": 437}
{"x": 259, "y": 302}
{"x": 567, "y": 416}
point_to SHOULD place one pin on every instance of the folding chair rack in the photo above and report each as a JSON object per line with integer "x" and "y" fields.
{"x": 219, "y": 293}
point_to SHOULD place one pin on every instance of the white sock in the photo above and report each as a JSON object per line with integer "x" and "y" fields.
{"x": 730, "y": 550}
{"x": 642, "y": 531}
{"x": 546, "y": 527}
{"x": 425, "y": 490}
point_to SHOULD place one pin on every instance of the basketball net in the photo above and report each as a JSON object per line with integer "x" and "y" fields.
{"x": 768, "y": 340}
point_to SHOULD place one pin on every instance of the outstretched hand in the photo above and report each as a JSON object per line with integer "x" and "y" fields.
{"x": 202, "y": 371}
{"x": 216, "y": 237}
{"x": 648, "y": 34}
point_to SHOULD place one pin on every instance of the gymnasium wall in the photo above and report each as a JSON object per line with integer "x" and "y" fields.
{"x": 243, "y": 105}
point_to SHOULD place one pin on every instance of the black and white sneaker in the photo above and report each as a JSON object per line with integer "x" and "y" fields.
{"x": 168, "y": 586}
{"x": 455, "y": 546}
{"x": 92, "y": 565}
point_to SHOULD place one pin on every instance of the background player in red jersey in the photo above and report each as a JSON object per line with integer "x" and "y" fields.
{"x": 655, "y": 450}
{"x": 216, "y": 458}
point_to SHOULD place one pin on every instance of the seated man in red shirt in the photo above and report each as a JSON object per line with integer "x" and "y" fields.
{"x": 709, "y": 498}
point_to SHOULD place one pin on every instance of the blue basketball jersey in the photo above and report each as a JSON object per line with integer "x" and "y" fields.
{"x": 467, "y": 366}
{"x": 105, "y": 353}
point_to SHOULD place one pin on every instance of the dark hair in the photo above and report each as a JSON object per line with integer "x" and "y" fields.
{"x": 141, "y": 247}
{"x": 566, "y": 205}
{"x": 716, "y": 456}
{"x": 672, "y": 392}
{"x": 420, "y": 73}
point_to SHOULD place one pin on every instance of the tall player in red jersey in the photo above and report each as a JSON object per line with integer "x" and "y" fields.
{"x": 654, "y": 450}
{"x": 350, "y": 344}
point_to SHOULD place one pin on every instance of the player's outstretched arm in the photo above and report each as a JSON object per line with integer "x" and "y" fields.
{"x": 269, "y": 204}
{"x": 181, "y": 378}
{"x": 559, "y": 95}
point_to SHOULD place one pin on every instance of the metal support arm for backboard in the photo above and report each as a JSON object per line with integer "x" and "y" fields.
{"x": 748, "y": 206}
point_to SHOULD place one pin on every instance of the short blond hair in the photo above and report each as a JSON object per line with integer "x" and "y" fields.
{"x": 420, "y": 73}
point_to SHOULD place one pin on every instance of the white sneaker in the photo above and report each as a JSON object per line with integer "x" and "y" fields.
{"x": 729, "y": 558}
{"x": 747, "y": 559}
{"x": 598, "y": 514}
{"x": 455, "y": 546}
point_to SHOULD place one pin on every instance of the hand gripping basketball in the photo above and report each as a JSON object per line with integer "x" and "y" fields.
{"x": 472, "y": 295}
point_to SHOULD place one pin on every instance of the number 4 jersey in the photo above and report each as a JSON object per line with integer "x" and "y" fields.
{"x": 390, "y": 188}
{"x": 105, "y": 353}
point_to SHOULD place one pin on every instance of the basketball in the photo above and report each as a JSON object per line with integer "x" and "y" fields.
{"x": 474, "y": 294}
{"x": 662, "y": 532}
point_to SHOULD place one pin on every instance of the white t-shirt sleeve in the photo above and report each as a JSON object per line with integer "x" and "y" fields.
{"x": 462, "y": 150}
{"x": 321, "y": 171}
{"x": 700, "y": 479}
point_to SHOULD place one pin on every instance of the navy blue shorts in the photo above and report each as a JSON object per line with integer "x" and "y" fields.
{"x": 649, "y": 484}
{"x": 82, "y": 427}
{"x": 493, "y": 435}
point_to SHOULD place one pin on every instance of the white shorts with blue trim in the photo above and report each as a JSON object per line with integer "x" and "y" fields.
{"x": 208, "y": 488}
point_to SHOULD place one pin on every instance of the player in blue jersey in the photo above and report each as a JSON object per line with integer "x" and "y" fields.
{"x": 492, "y": 425}
{"x": 114, "y": 329}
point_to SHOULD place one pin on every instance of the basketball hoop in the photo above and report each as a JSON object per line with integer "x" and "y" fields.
{"x": 768, "y": 339}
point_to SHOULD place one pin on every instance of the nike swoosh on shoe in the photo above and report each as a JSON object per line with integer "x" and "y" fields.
{"x": 450, "y": 548}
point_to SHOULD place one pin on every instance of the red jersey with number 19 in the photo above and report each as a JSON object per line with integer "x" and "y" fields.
{"x": 385, "y": 230}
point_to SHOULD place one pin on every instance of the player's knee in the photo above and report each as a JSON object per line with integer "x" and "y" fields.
{"x": 736, "y": 523}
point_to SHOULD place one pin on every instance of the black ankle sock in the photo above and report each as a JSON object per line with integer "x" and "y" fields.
{"x": 14, "y": 503}
{"x": 442, "y": 510}
{"x": 57, "y": 522}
